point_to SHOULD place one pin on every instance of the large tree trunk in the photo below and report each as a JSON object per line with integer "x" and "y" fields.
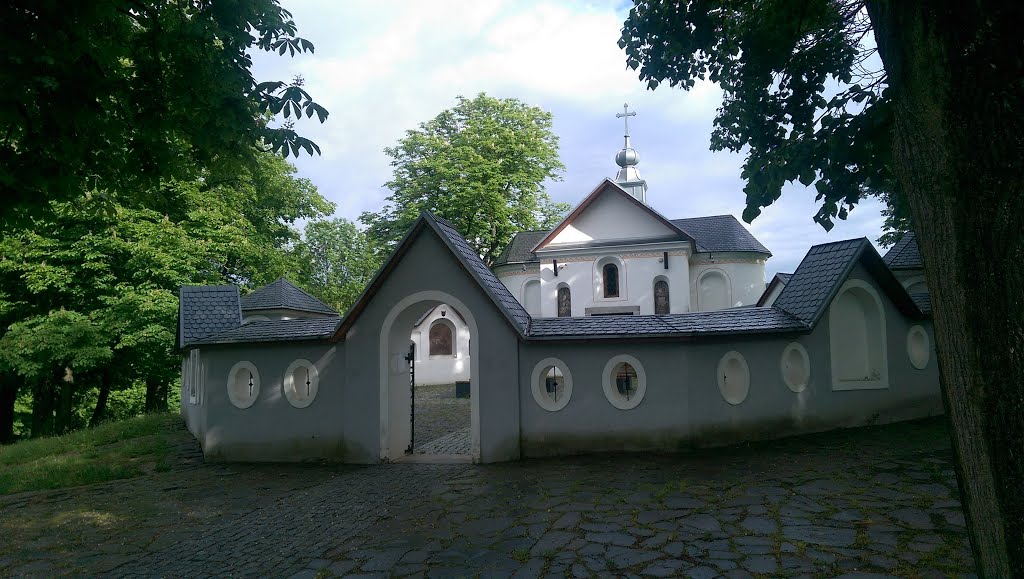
{"x": 8, "y": 395}
{"x": 955, "y": 75}
{"x": 43, "y": 402}
{"x": 101, "y": 402}
{"x": 156, "y": 395}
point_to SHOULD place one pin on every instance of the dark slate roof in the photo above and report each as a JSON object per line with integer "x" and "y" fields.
{"x": 923, "y": 301}
{"x": 905, "y": 254}
{"x": 721, "y": 322}
{"x": 784, "y": 277}
{"x": 206, "y": 310}
{"x": 275, "y": 331}
{"x": 720, "y": 233}
{"x": 283, "y": 294}
{"x": 518, "y": 250}
{"x": 496, "y": 290}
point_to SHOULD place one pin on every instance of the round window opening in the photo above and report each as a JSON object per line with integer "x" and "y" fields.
{"x": 243, "y": 384}
{"x": 301, "y": 382}
{"x": 733, "y": 377}
{"x": 918, "y": 347}
{"x": 552, "y": 384}
{"x": 625, "y": 382}
{"x": 796, "y": 367}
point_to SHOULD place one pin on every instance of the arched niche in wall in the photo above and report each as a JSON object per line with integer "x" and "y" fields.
{"x": 531, "y": 297}
{"x": 442, "y": 337}
{"x": 714, "y": 290}
{"x": 243, "y": 384}
{"x": 610, "y": 278}
{"x": 795, "y": 365}
{"x": 564, "y": 298}
{"x": 918, "y": 347}
{"x": 301, "y": 383}
{"x": 857, "y": 338}
{"x": 662, "y": 303}
{"x": 733, "y": 376}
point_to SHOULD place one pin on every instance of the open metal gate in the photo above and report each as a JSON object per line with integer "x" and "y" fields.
{"x": 411, "y": 359}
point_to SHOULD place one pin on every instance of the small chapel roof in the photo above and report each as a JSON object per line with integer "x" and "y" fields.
{"x": 206, "y": 310}
{"x": 295, "y": 330}
{"x": 905, "y": 254}
{"x": 282, "y": 294}
{"x": 721, "y": 322}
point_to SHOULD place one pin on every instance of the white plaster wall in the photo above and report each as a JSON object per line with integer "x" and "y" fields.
{"x": 611, "y": 216}
{"x": 441, "y": 369}
{"x": 514, "y": 279}
{"x": 746, "y": 277}
{"x": 774, "y": 295}
{"x": 637, "y": 276}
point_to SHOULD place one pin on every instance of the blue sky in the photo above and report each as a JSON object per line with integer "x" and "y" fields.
{"x": 383, "y": 67}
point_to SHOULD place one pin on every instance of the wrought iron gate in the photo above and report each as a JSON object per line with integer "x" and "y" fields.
{"x": 411, "y": 359}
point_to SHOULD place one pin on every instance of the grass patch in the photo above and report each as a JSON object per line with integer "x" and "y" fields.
{"x": 112, "y": 451}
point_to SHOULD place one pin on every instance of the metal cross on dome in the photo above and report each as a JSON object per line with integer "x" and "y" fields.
{"x": 625, "y": 114}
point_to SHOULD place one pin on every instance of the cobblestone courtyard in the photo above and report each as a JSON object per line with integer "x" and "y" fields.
{"x": 442, "y": 420}
{"x": 880, "y": 500}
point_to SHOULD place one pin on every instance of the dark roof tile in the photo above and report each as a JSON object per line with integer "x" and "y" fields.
{"x": 283, "y": 294}
{"x": 206, "y": 310}
{"x": 721, "y": 322}
{"x": 720, "y": 233}
{"x": 275, "y": 331}
{"x": 905, "y": 254}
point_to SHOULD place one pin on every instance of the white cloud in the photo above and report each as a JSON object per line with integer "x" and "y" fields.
{"x": 382, "y": 68}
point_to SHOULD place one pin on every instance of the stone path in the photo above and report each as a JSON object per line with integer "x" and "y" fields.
{"x": 879, "y": 500}
{"x": 442, "y": 420}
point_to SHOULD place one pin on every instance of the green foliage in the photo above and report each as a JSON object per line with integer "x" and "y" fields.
{"x": 801, "y": 97}
{"x": 113, "y": 451}
{"x": 336, "y": 261}
{"x": 480, "y": 165}
{"x": 102, "y": 94}
{"x": 33, "y": 347}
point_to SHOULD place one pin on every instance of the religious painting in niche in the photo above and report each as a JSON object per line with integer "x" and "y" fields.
{"x": 564, "y": 302}
{"x": 626, "y": 381}
{"x": 661, "y": 304}
{"x": 554, "y": 383}
{"x": 611, "y": 280}
{"x": 440, "y": 340}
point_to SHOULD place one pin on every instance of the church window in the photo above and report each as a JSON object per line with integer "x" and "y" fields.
{"x": 243, "y": 384}
{"x": 796, "y": 367}
{"x": 441, "y": 339}
{"x": 552, "y": 384}
{"x": 661, "y": 303}
{"x": 857, "y": 338}
{"x": 301, "y": 383}
{"x": 610, "y": 275}
{"x": 733, "y": 377}
{"x": 625, "y": 382}
{"x": 918, "y": 347}
{"x": 564, "y": 302}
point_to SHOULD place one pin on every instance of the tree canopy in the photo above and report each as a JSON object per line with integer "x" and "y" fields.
{"x": 481, "y": 165}
{"x": 336, "y": 260}
{"x": 118, "y": 95}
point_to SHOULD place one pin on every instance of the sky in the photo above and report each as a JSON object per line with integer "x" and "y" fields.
{"x": 383, "y": 67}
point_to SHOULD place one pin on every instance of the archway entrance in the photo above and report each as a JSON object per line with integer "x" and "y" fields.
{"x": 426, "y": 343}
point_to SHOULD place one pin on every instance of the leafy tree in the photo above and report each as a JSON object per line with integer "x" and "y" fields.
{"x": 938, "y": 117}
{"x": 482, "y": 166}
{"x": 100, "y": 94}
{"x": 336, "y": 261}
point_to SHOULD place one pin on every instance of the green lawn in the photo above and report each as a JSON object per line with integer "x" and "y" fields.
{"x": 112, "y": 451}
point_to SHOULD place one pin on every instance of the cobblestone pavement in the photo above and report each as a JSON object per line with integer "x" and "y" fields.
{"x": 440, "y": 417}
{"x": 879, "y": 500}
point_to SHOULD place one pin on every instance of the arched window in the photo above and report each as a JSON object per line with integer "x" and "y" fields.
{"x": 857, "y": 338}
{"x": 441, "y": 339}
{"x": 661, "y": 304}
{"x": 564, "y": 302}
{"x": 610, "y": 274}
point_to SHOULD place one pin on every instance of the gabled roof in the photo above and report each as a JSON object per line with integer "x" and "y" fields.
{"x": 823, "y": 270}
{"x": 719, "y": 233}
{"x": 509, "y": 306}
{"x": 905, "y": 254}
{"x": 206, "y": 310}
{"x": 282, "y": 294}
{"x": 608, "y": 185}
{"x": 780, "y": 278}
{"x": 520, "y": 249}
{"x": 923, "y": 301}
{"x": 275, "y": 331}
{"x": 722, "y": 322}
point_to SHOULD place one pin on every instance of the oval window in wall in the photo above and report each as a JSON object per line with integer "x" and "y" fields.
{"x": 301, "y": 382}
{"x": 552, "y": 384}
{"x": 243, "y": 384}
{"x": 733, "y": 377}
{"x": 796, "y": 367}
{"x": 625, "y": 382}
{"x": 918, "y": 347}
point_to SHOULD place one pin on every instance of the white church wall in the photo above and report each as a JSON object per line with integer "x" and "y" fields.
{"x": 774, "y": 295}
{"x": 742, "y": 273}
{"x": 611, "y": 217}
{"x": 515, "y": 279}
{"x": 442, "y": 369}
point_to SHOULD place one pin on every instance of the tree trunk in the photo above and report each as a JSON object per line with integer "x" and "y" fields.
{"x": 955, "y": 71}
{"x": 42, "y": 408}
{"x": 8, "y": 394}
{"x": 65, "y": 406}
{"x": 156, "y": 395}
{"x": 101, "y": 402}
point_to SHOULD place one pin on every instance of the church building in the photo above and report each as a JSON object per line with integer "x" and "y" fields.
{"x": 617, "y": 330}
